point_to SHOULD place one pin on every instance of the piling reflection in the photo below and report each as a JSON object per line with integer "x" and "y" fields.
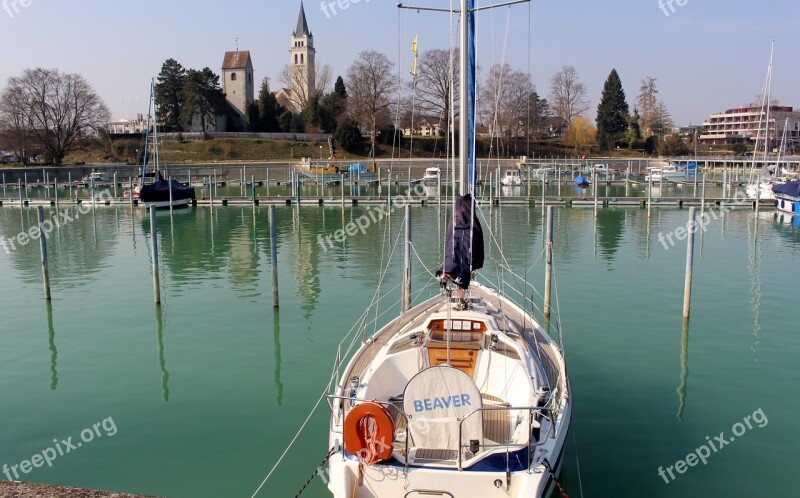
{"x": 51, "y": 337}
{"x": 162, "y": 361}
{"x": 684, "y": 369}
{"x": 276, "y": 334}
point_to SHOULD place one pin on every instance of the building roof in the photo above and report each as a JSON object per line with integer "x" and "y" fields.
{"x": 302, "y": 24}
{"x": 236, "y": 60}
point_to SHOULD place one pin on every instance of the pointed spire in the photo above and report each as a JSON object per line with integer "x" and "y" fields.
{"x": 302, "y": 24}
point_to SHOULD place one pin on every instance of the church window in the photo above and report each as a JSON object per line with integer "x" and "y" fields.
{"x": 233, "y": 76}
{"x": 301, "y": 59}
{"x": 295, "y": 58}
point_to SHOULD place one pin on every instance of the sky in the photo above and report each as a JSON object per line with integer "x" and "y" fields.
{"x": 708, "y": 56}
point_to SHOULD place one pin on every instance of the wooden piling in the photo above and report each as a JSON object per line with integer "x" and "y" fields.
{"x": 407, "y": 267}
{"x": 43, "y": 251}
{"x": 130, "y": 191}
{"x": 19, "y": 186}
{"x": 595, "y": 176}
{"x": 548, "y": 275}
{"x": 154, "y": 244}
{"x": 253, "y": 182}
{"x": 55, "y": 189}
{"x": 273, "y": 248}
{"x": 650, "y": 193}
{"x": 687, "y": 288}
{"x": 169, "y": 179}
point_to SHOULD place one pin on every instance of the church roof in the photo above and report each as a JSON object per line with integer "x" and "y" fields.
{"x": 302, "y": 24}
{"x": 236, "y": 60}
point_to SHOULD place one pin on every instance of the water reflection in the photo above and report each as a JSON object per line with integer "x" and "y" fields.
{"x": 684, "y": 370}
{"x": 51, "y": 337}
{"x": 162, "y": 361}
{"x": 276, "y": 334}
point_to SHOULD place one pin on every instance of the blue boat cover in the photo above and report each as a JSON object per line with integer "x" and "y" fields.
{"x": 580, "y": 180}
{"x": 788, "y": 188}
{"x": 461, "y": 257}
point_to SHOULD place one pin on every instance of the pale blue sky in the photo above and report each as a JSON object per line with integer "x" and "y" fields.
{"x": 707, "y": 56}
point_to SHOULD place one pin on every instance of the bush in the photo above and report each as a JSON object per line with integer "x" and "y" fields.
{"x": 348, "y": 136}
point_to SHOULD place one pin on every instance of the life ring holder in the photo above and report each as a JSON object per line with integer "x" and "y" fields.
{"x": 369, "y": 433}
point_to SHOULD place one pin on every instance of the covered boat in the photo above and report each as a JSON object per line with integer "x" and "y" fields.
{"x": 158, "y": 193}
{"x": 787, "y": 196}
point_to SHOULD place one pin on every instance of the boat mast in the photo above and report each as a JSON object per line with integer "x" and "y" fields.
{"x": 465, "y": 107}
{"x": 147, "y": 132}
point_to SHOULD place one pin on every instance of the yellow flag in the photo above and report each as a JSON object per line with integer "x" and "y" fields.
{"x": 414, "y": 62}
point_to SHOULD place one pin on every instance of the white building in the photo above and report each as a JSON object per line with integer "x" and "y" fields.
{"x": 127, "y": 126}
{"x": 237, "y": 80}
{"x": 745, "y": 124}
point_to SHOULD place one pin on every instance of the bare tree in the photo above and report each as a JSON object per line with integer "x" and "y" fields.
{"x": 305, "y": 83}
{"x": 369, "y": 84}
{"x": 15, "y": 128}
{"x": 646, "y": 104}
{"x": 506, "y": 103}
{"x": 58, "y": 109}
{"x": 568, "y": 95}
{"x": 662, "y": 120}
{"x": 438, "y": 79}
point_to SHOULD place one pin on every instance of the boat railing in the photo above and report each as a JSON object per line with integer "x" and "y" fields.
{"x": 428, "y": 492}
{"x": 544, "y": 412}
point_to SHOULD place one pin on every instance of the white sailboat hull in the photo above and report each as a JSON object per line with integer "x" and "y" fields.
{"x": 507, "y": 387}
{"x": 752, "y": 191}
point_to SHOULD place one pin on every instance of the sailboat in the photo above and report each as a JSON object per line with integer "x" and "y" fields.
{"x": 161, "y": 193}
{"x": 759, "y": 185}
{"x": 464, "y": 394}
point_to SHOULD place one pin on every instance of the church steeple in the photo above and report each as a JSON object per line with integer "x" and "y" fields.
{"x": 302, "y": 24}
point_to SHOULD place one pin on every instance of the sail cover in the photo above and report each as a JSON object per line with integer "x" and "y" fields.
{"x": 158, "y": 191}
{"x": 436, "y": 400}
{"x": 461, "y": 257}
{"x": 791, "y": 189}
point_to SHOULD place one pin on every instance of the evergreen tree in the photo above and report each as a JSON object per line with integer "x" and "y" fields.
{"x": 310, "y": 115}
{"x": 169, "y": 95}
{"x": 269, "y": 110}
{"x": 348, "y": 136}
{"x": 612, "y": 113}
{"x": 339, "y": 88}
{"x": 253, "y": 117}
{"x": 202, "y": 97}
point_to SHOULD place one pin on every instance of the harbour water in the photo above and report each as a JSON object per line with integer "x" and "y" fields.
{"x": 206, "y": 391}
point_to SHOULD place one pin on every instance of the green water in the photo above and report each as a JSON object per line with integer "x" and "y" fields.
{"x": 206, "y": 392}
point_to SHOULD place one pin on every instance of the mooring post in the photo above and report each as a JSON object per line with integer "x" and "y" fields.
{"x": 703, "y": 195}
{"x": 19, "y": 186}
{"x": 548, "y": 274}
{"x": 211, "y": 194}
{"x": 55, "y": 189}
{"x": 115, "y": 185}
{"x": 594, "y": 183}
{"x": 649, "y": 193}
{"x": 544, "y": 199}
{"x": 273, "y": 248}
{"x": 407, "y": 267}
{"x": 154, "y": 243}
{"x": 26, "y": 183}
{"x": 69, "y": 180}
{"x": 687, "y": 289}
{"x": 253, "y": 182}
{"x": 169, "y": 179}
{"x": 43, "y": 250}
{"x": 343, "y": 189}
{"x": 439, "y": 187}
{"x": 4, "y": 185}
{"x": 130, "y": 190}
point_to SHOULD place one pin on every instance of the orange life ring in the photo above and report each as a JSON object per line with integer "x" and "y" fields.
{"x": 369, "y": 433}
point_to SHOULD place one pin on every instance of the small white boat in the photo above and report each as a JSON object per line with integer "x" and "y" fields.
{"x": 765, "y": 188}
{"x": 671, "y": 173}
{"x": 432, "y": 176}
{"x": 96, "y": 178}
{"x": 511, "y": 178}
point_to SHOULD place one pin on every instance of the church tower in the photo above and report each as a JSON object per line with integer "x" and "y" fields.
{"x": 237, "y": 80}
{"x": 302, "y": 60}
